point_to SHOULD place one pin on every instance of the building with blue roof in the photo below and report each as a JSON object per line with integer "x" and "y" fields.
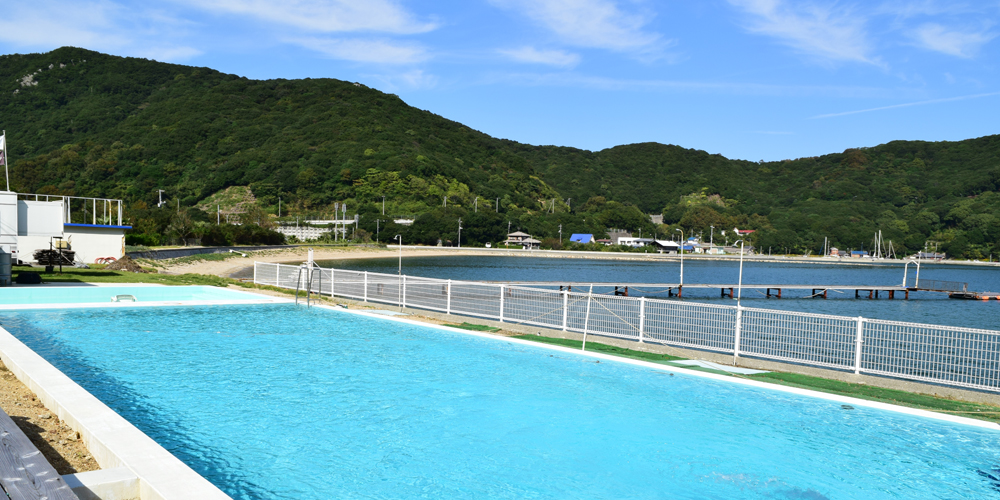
{"x": 582, "y": 238}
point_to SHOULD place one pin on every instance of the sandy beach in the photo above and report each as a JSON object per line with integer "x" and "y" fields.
{"x": 228, "y": 267}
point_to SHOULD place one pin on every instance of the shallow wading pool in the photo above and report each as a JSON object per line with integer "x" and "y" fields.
{"x": 47, "y": 296}
{"x": 279, "y": 401}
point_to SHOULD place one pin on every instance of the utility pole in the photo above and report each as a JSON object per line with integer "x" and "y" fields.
{"x": 383, "y": 204}
{"x": 279, "y": 206}
{"x": 336, "y": 229}
{"x": 459, "y": 232}
{"x": 567, "y": 202}
{"x": 498, "y": 208}
{"x": 560, "y": 234}
{"x": 218, "y": 214}
{"x": 446, "y": 202}
{"x": 160, "y": 204}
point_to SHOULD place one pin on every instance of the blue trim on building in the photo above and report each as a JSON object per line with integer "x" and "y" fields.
{"x": 98, "y": 225}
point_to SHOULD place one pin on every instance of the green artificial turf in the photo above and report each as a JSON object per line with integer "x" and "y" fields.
{"x": 602, "y": 348}
{"x": 892, "y": 396}
{"x": 477, "y": 328}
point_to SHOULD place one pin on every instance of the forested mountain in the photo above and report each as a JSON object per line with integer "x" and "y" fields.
{"x": 89, "y": 124}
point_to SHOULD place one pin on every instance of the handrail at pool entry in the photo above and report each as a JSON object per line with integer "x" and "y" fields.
{"x": 946, "y": 355}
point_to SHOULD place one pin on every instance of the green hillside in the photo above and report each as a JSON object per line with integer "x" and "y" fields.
{"x": 88, "y": 124}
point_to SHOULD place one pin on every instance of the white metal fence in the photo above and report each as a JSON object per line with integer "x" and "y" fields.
{"x": 963, "y": 357}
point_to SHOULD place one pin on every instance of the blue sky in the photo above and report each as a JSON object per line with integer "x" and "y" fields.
{"x": 749, "y": 79}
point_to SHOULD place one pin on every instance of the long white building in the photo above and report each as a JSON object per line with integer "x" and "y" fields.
{"x": 30, "y": 222}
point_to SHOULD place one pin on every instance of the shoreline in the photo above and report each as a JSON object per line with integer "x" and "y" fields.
{"x": 231, "y": 267}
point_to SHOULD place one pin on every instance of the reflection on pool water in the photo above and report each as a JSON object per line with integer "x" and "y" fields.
{"x": 278, "y": 401}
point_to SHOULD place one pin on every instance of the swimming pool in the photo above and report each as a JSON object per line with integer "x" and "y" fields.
{"x": 277, "y": 401}
{"x": 47, "y": 296}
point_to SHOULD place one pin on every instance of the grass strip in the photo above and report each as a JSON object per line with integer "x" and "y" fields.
{"x": 77, "y": 275}
{"x": 979, "y": 411}
{"x": 475, "y": 328}
{"x": 603, "y": 349}
{"x": 892, "y": 396}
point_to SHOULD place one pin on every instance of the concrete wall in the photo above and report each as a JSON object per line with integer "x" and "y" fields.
{"x": 40, "y": 218}
{"x": 90, "y": 243}
{"x": 8, "y": 222}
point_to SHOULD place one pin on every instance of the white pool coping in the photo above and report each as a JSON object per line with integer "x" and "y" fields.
{"x": 693, "y": 373}
{"x": 113, "y": 441}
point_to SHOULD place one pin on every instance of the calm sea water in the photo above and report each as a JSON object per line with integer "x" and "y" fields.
{"x": 283, "y": 402}
{"x": 923, "y": 307}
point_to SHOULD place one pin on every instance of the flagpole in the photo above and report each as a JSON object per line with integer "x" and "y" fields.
{"x": 6, "y": 169}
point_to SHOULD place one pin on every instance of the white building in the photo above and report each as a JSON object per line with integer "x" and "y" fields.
{"x": 304, "y": 233}
{"x": 635, "y": 242}
{"x": 30, "y": 222}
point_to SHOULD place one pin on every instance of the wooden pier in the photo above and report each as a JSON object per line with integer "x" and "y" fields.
{"x": 955, "y": 290}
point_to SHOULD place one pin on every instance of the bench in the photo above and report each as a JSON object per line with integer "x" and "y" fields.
{"x": 24, "y": 472}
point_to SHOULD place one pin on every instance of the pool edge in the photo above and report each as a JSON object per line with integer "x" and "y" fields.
{"x": 111, "y": 439}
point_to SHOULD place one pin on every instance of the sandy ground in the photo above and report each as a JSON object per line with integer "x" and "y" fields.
{"x": 60, "y": 445}
{"x": 227, "y": 267}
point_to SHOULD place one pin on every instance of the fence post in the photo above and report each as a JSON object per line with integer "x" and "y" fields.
{"x": 366, "y": 287}
{"x": 501, "y": 303}
{"x": 736, "y": 339}
{"x": 857, "y": 345}
{"x": 642, "y": 316}
{"x": 403, "y": 300}
{"x": 333, "y": 283}
{"x": 565, "y": 323}
{"x": 447, "y": 309}
{"x": 586, "y": 318}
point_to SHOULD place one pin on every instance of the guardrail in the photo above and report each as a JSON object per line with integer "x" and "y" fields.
{"x": 961, "y": 357}
{"x": 942, "y": 286}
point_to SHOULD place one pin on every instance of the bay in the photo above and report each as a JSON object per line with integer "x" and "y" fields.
{"x": 922, "y": 307}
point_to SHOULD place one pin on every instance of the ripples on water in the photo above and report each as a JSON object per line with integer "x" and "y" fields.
{"x": 283, "y": 402}
{"x": 923, "y": 307}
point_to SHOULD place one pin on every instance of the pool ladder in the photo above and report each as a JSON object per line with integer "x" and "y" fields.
{"x": 310, "y": 269}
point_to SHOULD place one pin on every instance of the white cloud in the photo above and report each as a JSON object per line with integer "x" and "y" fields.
{"x": 549, "y": 57}
{"x": 57, "y": 24}
{"x": 416, "y": 79}
{"x": 828, "y": 33}
{"x": 576, "y": 80}
{"x": 365, "y": 50}
{"x": 590, "y": 23}
{"x": 908, "y": 104}
{"x": 97, "y": 25}
{"x": 326, "y": 16}
{"x": 938, "y": 38}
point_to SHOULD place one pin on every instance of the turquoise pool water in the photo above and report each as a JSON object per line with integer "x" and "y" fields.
{"x": 277, "y": 401}
{"x": 88, "y": 294}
